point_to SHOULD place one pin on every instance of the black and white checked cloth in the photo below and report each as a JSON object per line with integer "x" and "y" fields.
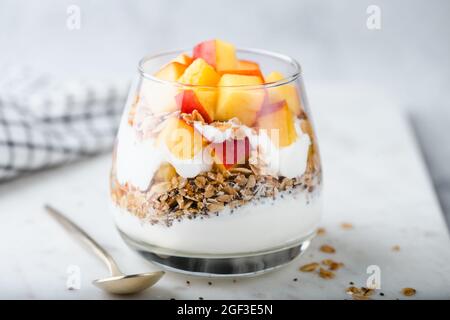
{"x": 44, "y": 123}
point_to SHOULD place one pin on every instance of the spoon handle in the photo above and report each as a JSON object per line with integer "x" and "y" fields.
{"x": 80, "y": 234}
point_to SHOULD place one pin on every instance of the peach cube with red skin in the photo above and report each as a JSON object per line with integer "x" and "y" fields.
{"x": 187, "y": 101}
{"x": 288, "y": 92}
{"x": 200, "y": 73}
{"x": 219, "y": 54}
{"x": 231, "y": 152}
{"x": 278, "y": 122}
{"x": 239, "y": 102}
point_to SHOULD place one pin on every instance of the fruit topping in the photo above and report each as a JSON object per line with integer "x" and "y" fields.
{"x": 181, "y": 139}
{"x": 187, "y": 101}
{"x": 231, "y": 152}
{"x": 171, "y": 71}
{"x": 286, "y": 92}
{"x": 277, "y": 121}
{"x": 235, "y": 100}
{"x": 219, "y": 54}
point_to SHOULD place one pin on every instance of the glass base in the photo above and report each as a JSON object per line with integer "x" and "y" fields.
{"x": 251, "y": 264}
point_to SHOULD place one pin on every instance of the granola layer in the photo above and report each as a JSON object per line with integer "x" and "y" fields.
{"x": 206, "y": 194}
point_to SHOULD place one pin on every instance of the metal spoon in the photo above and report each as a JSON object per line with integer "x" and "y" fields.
{"x": 117, "y": 283}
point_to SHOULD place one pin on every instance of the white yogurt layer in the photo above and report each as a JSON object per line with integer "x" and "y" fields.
{"x": 288, "y": 161}
{"x": 256, "y": 226}
{"x": 137, "y": 159}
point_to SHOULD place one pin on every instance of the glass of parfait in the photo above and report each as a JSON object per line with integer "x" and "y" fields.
{"x": 216, "y": 168}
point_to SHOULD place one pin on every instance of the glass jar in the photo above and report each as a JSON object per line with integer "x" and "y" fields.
{"x": 238, "y": 193}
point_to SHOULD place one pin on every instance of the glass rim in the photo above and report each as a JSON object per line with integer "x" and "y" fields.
{"x": 287, "y": 79}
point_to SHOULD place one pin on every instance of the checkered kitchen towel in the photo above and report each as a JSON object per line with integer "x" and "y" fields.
{"x": 44, "y": 123}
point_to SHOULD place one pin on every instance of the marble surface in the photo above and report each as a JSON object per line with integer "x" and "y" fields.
{"x": 374, "y": 179}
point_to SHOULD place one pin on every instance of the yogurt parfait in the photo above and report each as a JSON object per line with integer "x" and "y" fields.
{"x": 216, "y": 168}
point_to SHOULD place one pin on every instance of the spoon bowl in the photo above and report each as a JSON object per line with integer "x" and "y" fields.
{"x": 128, "y": 284}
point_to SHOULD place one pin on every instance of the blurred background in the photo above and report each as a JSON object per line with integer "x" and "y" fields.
{"x": 405, "y": 63}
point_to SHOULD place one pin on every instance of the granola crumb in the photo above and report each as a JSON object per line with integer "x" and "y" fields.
{"x": 321, "y": 231}
{"x": 362, "y": 293}
{"x": 310, "y": 267}
{"x": 396, "y": 248}
{"x": 327, "y": 249}
{"x": 352, "y": 290}
{"x": 367, "y": 291}
{"x": 332, "y": 265}
{"x": 326, "y": 274}
{"x": 346, "y": 226}
{"x": 408, "y": 292}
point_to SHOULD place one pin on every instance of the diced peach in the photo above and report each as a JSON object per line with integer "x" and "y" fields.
{"x": 159, "y": 97}
{"x": 181, "y": 139}
{"x": 278, "y": 121}
{"x": 247, "y": 68}
{"x": 199, "y": 73}
{"x": 286, "y": 92}
{"x": 208, "y": 99}
{"x": 250, "y": 67}
{"x": 188, "y": 102}
{"x": 165, "y": 172}
{"x": 231, "y": 152}
{"x": 171, "y": 71}
{"x": 247, "y": 65}
{"x": 207, "y": 51}
{"x": 183, "y": 59}
{"x": 240, "y": 102}
{"x": 220, "y": 54}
